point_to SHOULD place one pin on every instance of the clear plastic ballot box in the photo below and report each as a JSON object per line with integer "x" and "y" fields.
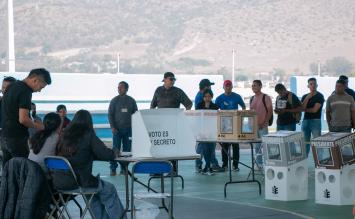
{"x": 286, "y": 168}
{"x": 161, "y": 133}
{"x": 334, "y": 157}
{"x": 203, "y": 124}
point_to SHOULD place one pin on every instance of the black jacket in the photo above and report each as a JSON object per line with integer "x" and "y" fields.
{"x": 24, "y": 191}
{"x": 90, "y": 148}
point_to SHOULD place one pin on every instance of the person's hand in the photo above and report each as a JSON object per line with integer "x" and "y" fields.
{"x": 38, "y": 125}
{"x": 282, "y": 111}
{"x": 114, "y": 131}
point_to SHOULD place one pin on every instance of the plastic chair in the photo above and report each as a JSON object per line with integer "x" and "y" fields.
{"x": 153, "y": 167}
{"x": 56, "y": 164}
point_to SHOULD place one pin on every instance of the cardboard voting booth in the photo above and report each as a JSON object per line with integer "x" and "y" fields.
{"x": 202, "y": 123}
{"x": 237, "y": 124}
{"x": 286, "y": 170}
{"x": 334, "y": 157}
{"x": 161, "y": 133}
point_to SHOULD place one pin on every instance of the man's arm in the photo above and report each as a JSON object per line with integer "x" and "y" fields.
{"x": 314, "y": 109}
{"x": 154, "y": 102}
{"x": 305, "y": 101}
{"x": 135, "y": 107}
{"x": 328, "y": 112}
{"x": 352, "y": 112}
{"x": 241, "y": 102}
{"x": 111, "y": 115}
{"x": 25, "y": 120}
{"x": 185, "y": 100}
{"x": 269, "y": 108}
{"x": 297, "y": 105}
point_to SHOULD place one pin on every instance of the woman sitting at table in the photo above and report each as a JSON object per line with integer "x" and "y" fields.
{"x": 80, "y": 145}
{"x": 44, "y": 142}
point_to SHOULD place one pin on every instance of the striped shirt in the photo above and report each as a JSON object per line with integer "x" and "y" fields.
{"x": 340, "y": 107}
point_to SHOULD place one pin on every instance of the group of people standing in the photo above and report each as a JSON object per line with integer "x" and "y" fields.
{"x": 288, "y": 108}
{"x": 76, "y": 140}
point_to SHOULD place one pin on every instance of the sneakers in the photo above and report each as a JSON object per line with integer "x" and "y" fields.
{"x": 217, "y": 168}
{"x": 207, "y": 171}
{"x": 235, "y": 169}
{"x": 113, "y": 173}
{"x": 198, "y": 169}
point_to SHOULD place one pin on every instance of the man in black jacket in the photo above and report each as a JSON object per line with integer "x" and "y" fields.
{"x": 16, "y": 106}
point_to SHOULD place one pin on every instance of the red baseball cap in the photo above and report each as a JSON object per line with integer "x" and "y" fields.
{"x": 227, "y": 83}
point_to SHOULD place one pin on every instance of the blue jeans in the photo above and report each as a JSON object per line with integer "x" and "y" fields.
{"x": 199, "y": 150}
{"x": 288, "y": 127}
{"x": 311, "y": 126}
{"x": 121, "y": 138}
{"x": 207, "y": 153}
{"x": 106, "y": 203}
{"x": 257, "y": 146}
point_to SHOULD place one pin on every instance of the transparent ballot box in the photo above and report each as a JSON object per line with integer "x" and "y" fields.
{"x": 283, "y": 148}
{"x": 286, "y": 171}
{"x": 334, "y": 159}
{"x": 334, "y": 150}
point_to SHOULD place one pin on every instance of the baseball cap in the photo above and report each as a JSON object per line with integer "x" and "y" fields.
{"x": 169, "y": 75}
{"x": 205, "y": 83}
{"x": 227, "y": 83}
{"x": 343, "y": 77}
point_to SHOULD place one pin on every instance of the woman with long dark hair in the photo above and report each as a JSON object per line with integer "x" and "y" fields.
{"x": 44, "y": 142}
{"x": 80, "y": 145}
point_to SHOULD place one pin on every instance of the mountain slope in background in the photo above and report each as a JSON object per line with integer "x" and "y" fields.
{"x": 186, "y": 36}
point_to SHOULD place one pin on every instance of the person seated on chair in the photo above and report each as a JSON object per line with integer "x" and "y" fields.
{"x": 44, "y": 142}
{"x": 80, "y": 145}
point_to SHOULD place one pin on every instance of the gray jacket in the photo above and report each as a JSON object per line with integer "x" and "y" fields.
{"x": 120, "y": 111}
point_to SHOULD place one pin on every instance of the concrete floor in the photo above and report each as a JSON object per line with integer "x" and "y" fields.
{"x": 204, "y": 193}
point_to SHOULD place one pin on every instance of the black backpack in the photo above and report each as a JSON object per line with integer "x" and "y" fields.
{"x": 271, "y": 120}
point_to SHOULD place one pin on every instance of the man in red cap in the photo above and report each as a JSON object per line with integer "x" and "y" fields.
{"x": 230, "y": 101}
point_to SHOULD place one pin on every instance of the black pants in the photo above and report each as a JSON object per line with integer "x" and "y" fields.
{"x": 14, "y": 147}
{"x": 235, "y": 157}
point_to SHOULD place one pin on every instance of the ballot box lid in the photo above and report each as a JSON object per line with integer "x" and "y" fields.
{"x": 333, "y": 139}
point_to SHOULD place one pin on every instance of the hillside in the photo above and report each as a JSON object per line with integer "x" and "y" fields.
{"x": 186, "y": 36}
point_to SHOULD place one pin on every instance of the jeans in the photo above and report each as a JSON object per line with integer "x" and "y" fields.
{"x": 199, "y": 150}
{"x": 289, "y": 127}
{"x": 225, "y": 151}
{"x": 14, "y": 147}
{"x": 257, "y": 146}
{"x": 121, "y": 138}
{"x": 214, "y": 160}
{"x": 207, "y": 153}
{"x": 106, "y": 203}
{"x": 311, "y": 126}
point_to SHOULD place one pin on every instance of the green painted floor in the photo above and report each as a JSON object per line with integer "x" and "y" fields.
{"x": 207, "y": 188}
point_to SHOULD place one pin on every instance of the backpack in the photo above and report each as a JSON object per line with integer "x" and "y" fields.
{"x": 296, "y": 116}
{"x": 271, "y": 120}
